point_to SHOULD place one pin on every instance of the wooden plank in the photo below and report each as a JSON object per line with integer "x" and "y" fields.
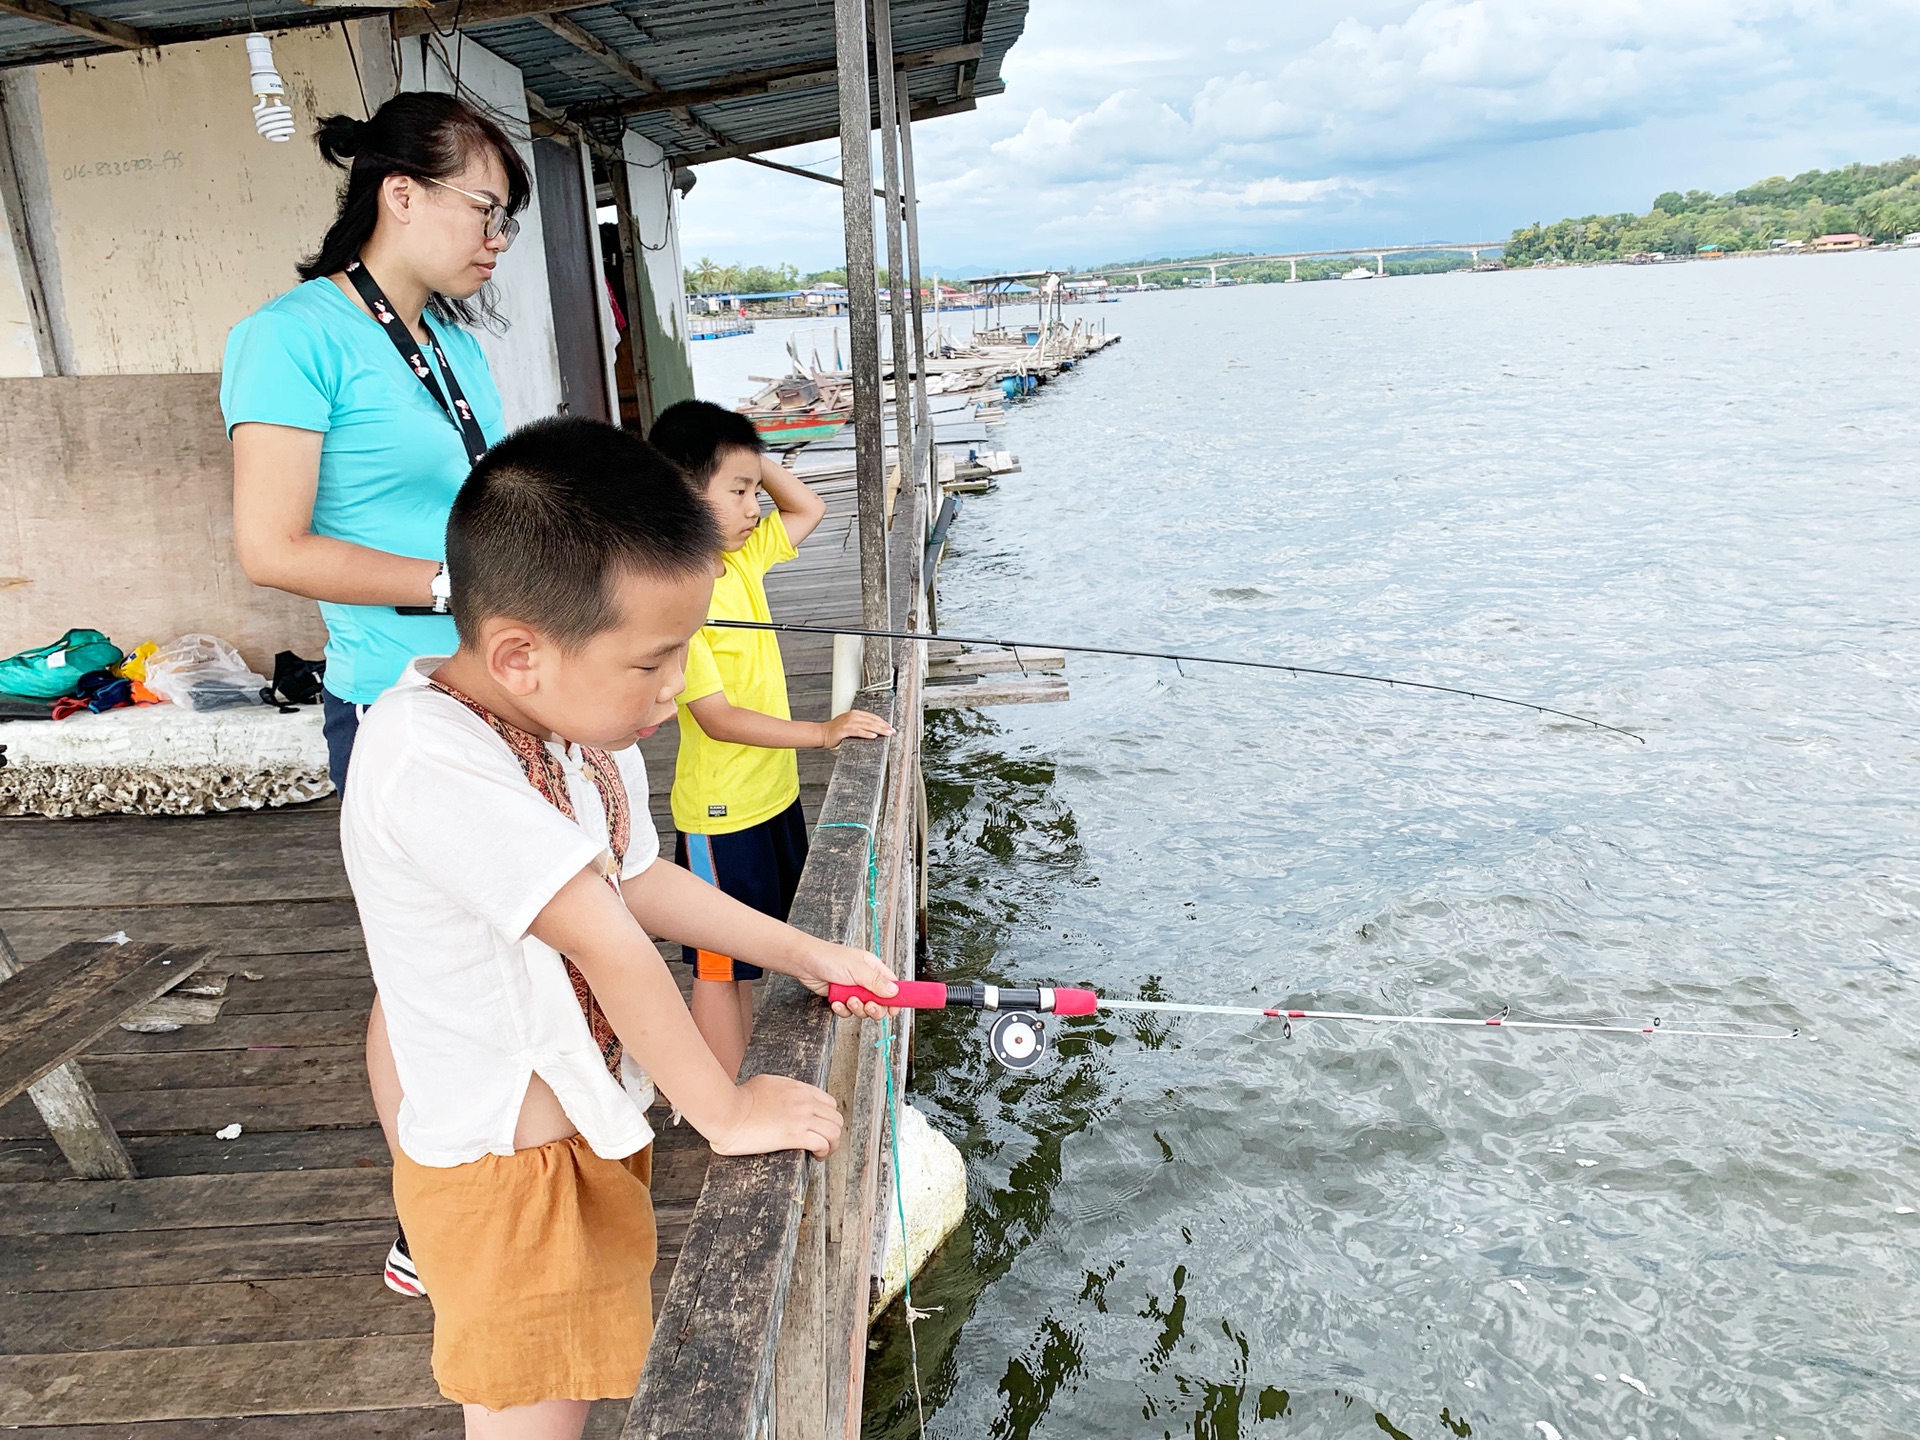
{"x": 264, "y": 927}
{"x": 276, "y": 997}
{"x": 992, "y": 662}
{"x": 1016, "y": 690}
{"x": 50, "y": 1012}
{"x": 440, "y": 1422}
{"x": 35, "y": 1263}
{"x": 195, "y": 1202}
{"x": 294, "y": 1377}
{"x": 79, "y": 22}
{"x": 22, "y": 1161}
{"x": 240, "y": 1032}
{"x": 220, "y": 1313}
{"x": 801, "y": 1359}
{"x": 219, "y": 1069}
{"x": 345, "y": 1104}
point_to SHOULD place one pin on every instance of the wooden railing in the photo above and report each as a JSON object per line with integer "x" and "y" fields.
{"x": 763, "y": 1333}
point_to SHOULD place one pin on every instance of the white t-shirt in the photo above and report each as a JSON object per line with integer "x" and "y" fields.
{"x": 452, "y": 854}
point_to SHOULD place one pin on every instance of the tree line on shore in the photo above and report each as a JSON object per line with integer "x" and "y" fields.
{"x": 1880, "y": 202}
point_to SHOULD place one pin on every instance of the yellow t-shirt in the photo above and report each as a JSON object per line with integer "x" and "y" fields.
{"x": 719, "y": 787}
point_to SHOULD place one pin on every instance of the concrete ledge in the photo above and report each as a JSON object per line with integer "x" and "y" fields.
{"x": 162, "y": 760}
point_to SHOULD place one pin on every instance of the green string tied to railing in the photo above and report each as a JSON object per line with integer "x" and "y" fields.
{"x": 885, "y": 1046}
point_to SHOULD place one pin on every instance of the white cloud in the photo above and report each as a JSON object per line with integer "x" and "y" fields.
{"x": 1128, "y": 130}
{"x": 1457, "y": 72}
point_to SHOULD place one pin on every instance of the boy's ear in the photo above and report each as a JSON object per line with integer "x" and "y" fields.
{"x": 511, "y": 651}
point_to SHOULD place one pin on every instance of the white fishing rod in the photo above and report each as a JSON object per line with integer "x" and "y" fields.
{"x": 1178, "y": 658}
{"x": 1018, "y": 1041}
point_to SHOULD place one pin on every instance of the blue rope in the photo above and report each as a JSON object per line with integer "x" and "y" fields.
{"x": 885, "y": 1046}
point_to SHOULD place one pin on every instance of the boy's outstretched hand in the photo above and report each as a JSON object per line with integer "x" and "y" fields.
{"x": 852, "y": 725}
{"x": 778, "y": 1113}
{"x": 822, "y": 965}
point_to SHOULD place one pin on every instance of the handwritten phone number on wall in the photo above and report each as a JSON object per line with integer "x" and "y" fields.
{"x": 135, "y": 165}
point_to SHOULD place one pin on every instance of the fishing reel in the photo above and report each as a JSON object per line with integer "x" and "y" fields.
{"x": 1018, "y": 1037}
{"x": 1018, "y": 1040}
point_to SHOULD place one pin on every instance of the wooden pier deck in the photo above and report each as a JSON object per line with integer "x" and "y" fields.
{"x": 234, "y": 1288}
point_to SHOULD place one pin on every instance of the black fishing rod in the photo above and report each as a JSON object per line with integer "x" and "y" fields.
{"x": 1018, "y": 645}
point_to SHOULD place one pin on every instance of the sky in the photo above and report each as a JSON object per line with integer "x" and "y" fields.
{"x": 1131, "y": 129}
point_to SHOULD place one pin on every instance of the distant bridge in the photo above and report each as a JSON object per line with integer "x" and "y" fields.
{"x": 1379, "y": 253}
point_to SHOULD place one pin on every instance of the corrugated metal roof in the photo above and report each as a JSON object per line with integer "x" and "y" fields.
{"x": 674, "y": 46}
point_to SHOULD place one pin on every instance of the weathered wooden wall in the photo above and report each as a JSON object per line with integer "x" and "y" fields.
{"x": 116, "y": 513}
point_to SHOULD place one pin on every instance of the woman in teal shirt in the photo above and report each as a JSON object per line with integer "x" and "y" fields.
{"x": 345, "y": 459}
{"x": 357, "y": 402}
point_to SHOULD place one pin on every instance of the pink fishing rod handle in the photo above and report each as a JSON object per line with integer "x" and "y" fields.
{"x": 1067, "y": 1001}
{"x": 913, "y": 995}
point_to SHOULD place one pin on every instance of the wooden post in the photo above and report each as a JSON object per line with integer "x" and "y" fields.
{"x": 631, "y": 276}
{"x": 70, "y": 1109}
{"x": 13, "y": 200}
{"x": 897, "y": 278}
{"x": 911, "y": 207}
{"x": 863, "y": 326}
{"x": 801, "y": 1363}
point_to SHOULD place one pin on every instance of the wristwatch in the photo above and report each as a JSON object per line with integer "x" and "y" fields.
{"x": 442, "y": 589}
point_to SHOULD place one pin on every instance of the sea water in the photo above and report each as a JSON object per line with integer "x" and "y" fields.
{"x": 1680, "y": 499}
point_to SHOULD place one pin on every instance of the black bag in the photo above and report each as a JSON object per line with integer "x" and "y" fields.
{"x": 295, "y": 681}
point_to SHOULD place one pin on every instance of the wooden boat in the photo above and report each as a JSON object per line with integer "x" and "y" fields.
{"x": 797, "y": 408}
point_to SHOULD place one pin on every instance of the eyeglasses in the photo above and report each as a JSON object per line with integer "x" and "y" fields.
{"x": 499, "y": 222}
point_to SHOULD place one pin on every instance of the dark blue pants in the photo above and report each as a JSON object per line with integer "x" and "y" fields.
{"x": 340, "y": 722}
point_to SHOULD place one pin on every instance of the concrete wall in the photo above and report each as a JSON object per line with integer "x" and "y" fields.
{"x": 170, "y": 219}
{"x": 117, "y": 515}
{"x": 656, "y": 214}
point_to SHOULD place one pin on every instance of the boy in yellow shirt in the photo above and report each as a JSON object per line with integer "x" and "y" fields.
{"x": 736, "y": 785}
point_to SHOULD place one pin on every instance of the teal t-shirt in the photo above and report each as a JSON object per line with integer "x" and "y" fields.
{"x": 390, "y": 464}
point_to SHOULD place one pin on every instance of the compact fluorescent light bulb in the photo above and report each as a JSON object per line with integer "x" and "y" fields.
{"x": 271, "y": 117}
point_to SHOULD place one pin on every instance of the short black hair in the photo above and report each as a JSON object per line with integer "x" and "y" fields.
{"x": 692, "y": 433}
{"x": 553, "y": 512}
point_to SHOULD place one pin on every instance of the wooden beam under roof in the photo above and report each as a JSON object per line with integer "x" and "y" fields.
{"x": 79, "y": 22}
{"x": 922, "y": 110}
{"x": 586, "y": 41}
{"x": 472, "y": 14}
{"x": 973, "y": 29}
{"x": 802, "y": 76}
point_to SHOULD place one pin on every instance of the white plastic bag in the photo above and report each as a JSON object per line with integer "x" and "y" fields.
{"x": 202, "y": 672}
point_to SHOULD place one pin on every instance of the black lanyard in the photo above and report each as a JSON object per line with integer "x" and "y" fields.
{"x": 458, "y": 411}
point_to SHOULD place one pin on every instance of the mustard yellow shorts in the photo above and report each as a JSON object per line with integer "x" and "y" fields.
{"x": 539, "y": 1266}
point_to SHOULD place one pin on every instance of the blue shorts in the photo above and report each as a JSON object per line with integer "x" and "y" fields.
{"x": 758, "y": 866}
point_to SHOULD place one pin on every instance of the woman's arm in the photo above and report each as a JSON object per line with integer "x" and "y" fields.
{"x": 801, "y": 511}
{"x": 276, "y": 472}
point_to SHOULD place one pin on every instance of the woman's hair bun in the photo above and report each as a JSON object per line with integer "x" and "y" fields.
{"x": 339, "y": 138}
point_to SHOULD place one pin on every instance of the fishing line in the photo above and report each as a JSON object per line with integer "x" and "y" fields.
{"x": 1177, "y": 657}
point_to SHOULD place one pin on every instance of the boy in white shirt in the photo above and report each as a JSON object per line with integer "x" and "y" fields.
{"x": 498, "y": 840}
